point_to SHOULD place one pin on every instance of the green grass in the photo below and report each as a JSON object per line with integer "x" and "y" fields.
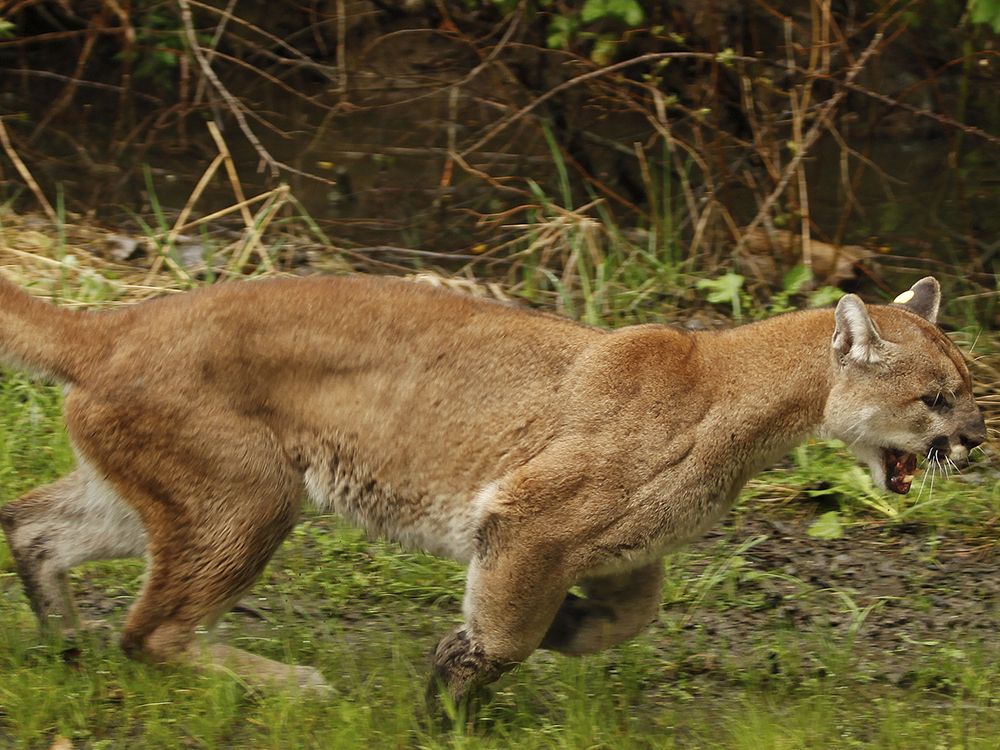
{"x": 367, "y": 614}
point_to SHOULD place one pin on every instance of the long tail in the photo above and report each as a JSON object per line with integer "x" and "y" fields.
{"x": 47, "y": 340}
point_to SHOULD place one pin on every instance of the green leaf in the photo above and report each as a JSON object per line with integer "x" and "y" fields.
{"x": 604, "y": 50}
{"x": 630, "y": 11}
{"x": 726, "y": 288}
{"x": 825, "y": 295}
{"x": 593, "y": 9}
{"x": 796, "y": 278}
{"x": 561, "y": 31}
{"x": 726, "y": 57}
{"x": 827, "y": 526}
{"x": 986, "y": 11}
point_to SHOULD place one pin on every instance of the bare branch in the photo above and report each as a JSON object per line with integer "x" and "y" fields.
{"x": 232, "y": 103}
{"x": 810, "y": 138}
{"x": 22, "y": 169}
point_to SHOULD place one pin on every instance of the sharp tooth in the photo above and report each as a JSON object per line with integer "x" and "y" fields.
{"x": 908, "y": 478}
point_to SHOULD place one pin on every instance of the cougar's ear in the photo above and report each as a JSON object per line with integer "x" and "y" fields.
{"x": 923, "y": 298}
{"x": 854, "y": 337}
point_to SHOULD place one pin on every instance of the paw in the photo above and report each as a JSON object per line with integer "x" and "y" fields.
{"x": 461, "y": 670}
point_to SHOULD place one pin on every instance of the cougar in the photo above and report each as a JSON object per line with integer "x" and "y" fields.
{"x": 545, "y": 454}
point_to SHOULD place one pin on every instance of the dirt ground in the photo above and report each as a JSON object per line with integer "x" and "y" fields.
{"x": 922, "y": 592}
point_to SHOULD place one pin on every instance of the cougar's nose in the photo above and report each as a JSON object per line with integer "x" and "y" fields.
{"x": 940, "y": 447}
{"x": 974, "y": 433}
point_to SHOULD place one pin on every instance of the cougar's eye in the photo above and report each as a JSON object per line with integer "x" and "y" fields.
{"x": 936, "y": 402}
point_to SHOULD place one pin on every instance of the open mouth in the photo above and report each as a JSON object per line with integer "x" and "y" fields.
{"x": 899, "y": 469}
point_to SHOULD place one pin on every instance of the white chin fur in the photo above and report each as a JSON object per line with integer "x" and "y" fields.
{"x": 872, "y": 457}
{"x": 878, "y": 473}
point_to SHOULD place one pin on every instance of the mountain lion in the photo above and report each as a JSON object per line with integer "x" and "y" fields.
{"x": 543, "y": 453}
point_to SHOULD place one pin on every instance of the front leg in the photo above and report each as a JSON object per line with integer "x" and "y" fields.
{"x": 511, "y": 597}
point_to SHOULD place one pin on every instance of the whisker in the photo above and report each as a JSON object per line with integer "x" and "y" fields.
{"x": 952, "y": 464}
{"x": 856, "y": 439}
{"x": 928, "y": 468}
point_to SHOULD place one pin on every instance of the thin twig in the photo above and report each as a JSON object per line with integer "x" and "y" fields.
{"x": 342, "y": 50}
{"x": 798, "y": 115}
{"x": 88, "y": 84}
{"x": 172, "y": 235}
{"x": 225, "y": 211}
{"x": 234, "y": 178}
{"x": 811, "y": 137}
{"x": 22, "y": 169}
{"x": 651, "y": 57}
{"x": 260, "y": 222}
{"x": 464, "y": 80}
{"x": 921, "y": 112}
{"x": 232, "y": 103}
{"x": 220, "y": 29}
{"x": 300, "y": 58}
{"x": 67, "y": 94}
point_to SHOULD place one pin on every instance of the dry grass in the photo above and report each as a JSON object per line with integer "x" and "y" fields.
{"x": 69, "y": 266}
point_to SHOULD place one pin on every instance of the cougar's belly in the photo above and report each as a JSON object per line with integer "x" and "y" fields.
{"x": 441, "y": 524}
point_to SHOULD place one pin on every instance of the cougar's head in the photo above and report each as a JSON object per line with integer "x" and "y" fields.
{"x": 901, "y": 389}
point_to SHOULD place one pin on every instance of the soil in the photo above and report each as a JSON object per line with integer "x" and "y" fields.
{"x": 924, "y": 592}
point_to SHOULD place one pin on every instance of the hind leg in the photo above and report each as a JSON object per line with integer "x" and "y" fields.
{"x": 61, "y": 525}
{"x": 616, "y": 608}
{"x": 217, "y": 493}
{"x": 199, "y": 567}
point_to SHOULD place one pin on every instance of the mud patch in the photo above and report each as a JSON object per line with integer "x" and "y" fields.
{"x": 892, "y": 594}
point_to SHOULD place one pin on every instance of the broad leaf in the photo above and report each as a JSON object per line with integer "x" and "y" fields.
{"x": 827, "y": 526}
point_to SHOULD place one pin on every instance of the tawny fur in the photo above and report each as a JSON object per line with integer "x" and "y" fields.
{"x": 543, "y": 453}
